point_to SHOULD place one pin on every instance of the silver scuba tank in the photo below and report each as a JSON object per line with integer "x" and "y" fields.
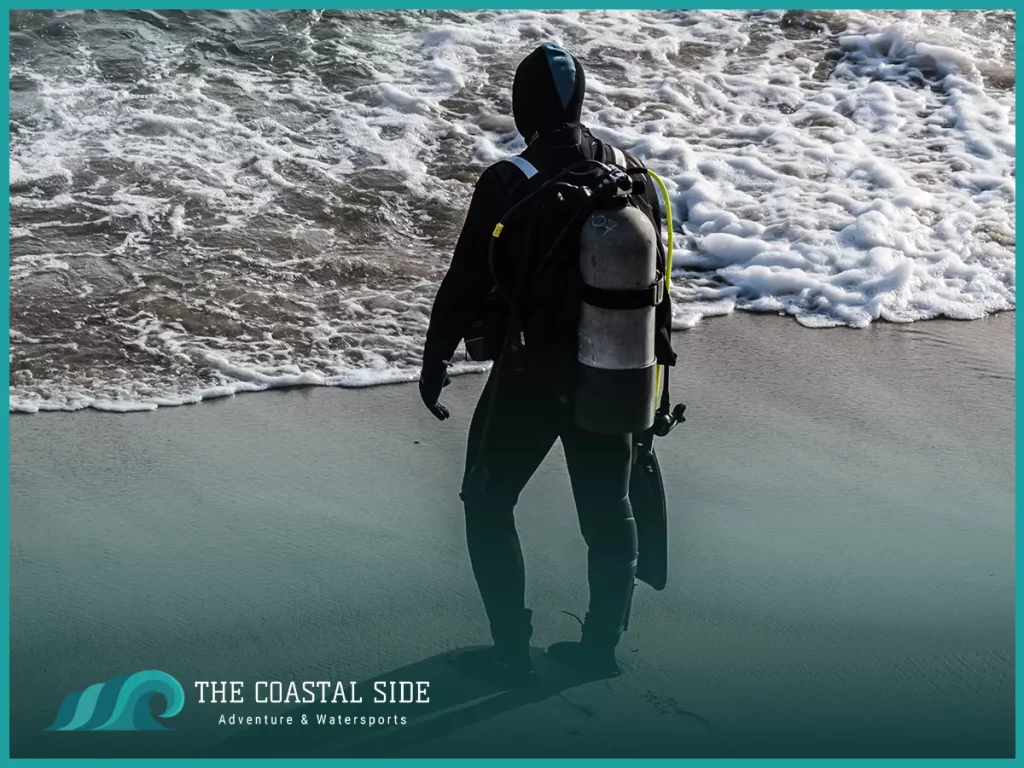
{"x": 616, "y": 372}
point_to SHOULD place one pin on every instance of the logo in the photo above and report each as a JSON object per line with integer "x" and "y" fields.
{"x": 120, "y": 704}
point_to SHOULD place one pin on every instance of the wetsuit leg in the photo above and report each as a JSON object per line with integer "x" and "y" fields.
{"x": 477, "y": 424}
{"x": 599, "y": 468}
{"x": 514, "y": 437}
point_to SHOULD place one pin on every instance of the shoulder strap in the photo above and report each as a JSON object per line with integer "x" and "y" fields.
{"x": 529, "y": 169}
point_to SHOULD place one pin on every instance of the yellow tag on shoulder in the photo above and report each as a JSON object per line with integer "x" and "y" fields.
{"x": 497, "y": 230}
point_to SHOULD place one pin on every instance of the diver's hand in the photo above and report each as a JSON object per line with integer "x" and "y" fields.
{"x": 434, "y": 378}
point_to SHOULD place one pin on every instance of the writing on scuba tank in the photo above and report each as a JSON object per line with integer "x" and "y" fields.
{"x": 602, "y": 222}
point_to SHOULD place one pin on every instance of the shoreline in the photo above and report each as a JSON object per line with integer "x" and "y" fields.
{"x": 398, "y": 379}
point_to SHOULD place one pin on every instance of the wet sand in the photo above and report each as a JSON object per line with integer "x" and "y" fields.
{"x": 842, "y": 583}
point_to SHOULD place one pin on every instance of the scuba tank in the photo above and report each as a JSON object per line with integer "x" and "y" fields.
{"x": 616, "y": 366}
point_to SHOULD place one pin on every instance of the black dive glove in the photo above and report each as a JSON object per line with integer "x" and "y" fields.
{"x": 433, "y": 378}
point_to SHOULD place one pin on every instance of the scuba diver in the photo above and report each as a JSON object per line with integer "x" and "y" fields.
{"x": 574, "y": 359}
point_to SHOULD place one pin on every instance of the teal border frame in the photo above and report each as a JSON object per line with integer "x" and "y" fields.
{"x": 421, "y": 5}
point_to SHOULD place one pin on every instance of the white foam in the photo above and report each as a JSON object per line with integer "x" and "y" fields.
{"x": 885, "y": 191}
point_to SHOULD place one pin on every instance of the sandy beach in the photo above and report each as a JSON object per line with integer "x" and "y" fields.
{"x": 842, "y": 582}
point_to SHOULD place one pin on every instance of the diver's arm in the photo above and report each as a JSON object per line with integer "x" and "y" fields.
{"x": 464, "y": 287}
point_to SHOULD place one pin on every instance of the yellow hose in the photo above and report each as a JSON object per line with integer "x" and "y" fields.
{"x": 668, "y": 268}
{"x": 668, "y": 223}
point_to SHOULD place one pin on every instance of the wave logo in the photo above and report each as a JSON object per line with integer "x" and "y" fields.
{"x": 120, "y": 704}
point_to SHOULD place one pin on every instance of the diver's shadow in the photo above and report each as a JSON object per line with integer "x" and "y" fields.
{"x": 457, "y": 701}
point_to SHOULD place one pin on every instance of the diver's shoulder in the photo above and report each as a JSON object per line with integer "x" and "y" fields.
{"x": 632, "y": 160}
{"x": 627, "y": 160}
{"x": 610, "y": 152}
{"x": 491, "y": 176}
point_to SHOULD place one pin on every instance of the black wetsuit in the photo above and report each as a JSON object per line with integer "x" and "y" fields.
{"x": 522, "y": 412}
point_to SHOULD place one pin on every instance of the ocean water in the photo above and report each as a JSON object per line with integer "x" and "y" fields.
{"x": 204, "y": 203}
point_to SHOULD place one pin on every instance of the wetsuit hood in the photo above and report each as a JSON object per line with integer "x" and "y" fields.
{"x": 547, "y": 92}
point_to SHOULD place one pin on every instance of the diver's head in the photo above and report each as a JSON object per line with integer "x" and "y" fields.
{"x": 547, "y": 92}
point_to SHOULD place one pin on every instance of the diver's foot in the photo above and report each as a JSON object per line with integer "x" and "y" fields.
{"x": 510, "y": 668}
{"x": 594, "y": 661}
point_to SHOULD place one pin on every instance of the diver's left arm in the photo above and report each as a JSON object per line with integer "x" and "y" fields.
{"x": 465, "y": 286}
